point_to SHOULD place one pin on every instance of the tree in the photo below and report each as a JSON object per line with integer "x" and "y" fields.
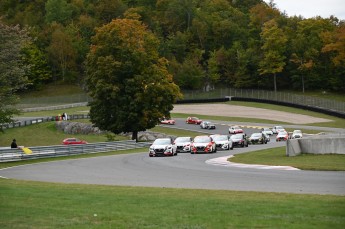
{"x": 61, "y": 51}
{"x": 273, "y": 48}
{"x": 12, "y": 74}
{"x": 335, "y": 42}
{"x": 128, "y": 81}
{"x": 39, "y": 71}
{"x": 57, "y": 11}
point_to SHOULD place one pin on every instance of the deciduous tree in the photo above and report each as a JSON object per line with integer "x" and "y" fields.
{"x": 128, "y": 81}
{"x": 12, "y": 74}
{"x": 273, "y": 49}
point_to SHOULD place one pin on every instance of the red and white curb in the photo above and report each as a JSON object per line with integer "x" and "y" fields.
{"x": 223, "y": 161}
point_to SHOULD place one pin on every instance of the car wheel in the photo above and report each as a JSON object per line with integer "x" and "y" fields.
{"x": 242, "y": 145}
{"x": 215, "y": 149}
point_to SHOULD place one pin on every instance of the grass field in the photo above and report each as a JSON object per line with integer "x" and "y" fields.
{"x": 277, "y": 156}
{"x": 44, "y": 134}
{"x": 47, "y": 205}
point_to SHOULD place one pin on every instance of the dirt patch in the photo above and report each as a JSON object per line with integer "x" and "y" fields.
{"x": 245, "y": 112}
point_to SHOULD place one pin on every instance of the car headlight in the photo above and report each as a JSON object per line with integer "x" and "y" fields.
{"x": 151, "y": 148}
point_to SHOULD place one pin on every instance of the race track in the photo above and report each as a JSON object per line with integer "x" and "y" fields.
{"x": 182, "y": 171}
{"x": 187, "y": 170}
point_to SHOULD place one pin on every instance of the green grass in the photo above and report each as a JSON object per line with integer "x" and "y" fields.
{"x": 51, "y": 113}
{"x": 53, "y": 90}
{"x": 277, "y": 156}
{"x": 37, "y": 205}
{"x": 44, "y": 134}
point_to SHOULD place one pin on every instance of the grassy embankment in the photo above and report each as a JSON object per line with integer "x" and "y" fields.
{"x": 26, "y": 204}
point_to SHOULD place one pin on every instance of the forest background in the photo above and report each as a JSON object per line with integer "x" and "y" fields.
{"x": 240, "y": 44}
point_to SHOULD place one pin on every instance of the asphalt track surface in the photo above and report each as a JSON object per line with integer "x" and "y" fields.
{"x": 182, "y": 171}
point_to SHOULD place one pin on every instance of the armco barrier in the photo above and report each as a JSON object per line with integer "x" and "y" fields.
{"x": 67, "y": 150}
{"x": 40, "y": 120}
{"x": 323, "y": 144}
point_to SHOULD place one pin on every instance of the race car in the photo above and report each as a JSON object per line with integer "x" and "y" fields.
{"x": 183, "y": 144}
{"x": 203, "y": 144}
{"x": 193, "y": 120}
{"x": 207, "y": 125}
{"x": 222, "y": 141}
{"x": 162, "y": 147}
{"x": 167, "y": 121}
{"x": 235, "y": 130}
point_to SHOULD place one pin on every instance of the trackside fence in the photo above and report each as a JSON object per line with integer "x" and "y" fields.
{"x": 287, "y": 98}
{"x": 8, "y": 154}
{"x": 32, "y": 121}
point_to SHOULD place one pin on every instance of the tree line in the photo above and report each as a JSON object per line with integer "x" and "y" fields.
{"x": 241, "y": 44}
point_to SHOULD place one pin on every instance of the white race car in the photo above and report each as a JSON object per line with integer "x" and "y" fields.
{"x": 297, "y": 134}
{"x": 162, "y": 147}
{"x": 222, "y": 141}
{"x": 183, "y": 144}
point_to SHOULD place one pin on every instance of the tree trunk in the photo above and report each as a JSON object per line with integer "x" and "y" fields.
{"x": 135, "y": 136}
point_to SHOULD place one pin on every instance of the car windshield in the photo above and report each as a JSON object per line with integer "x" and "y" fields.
{"x": 256, "y": 135}
{"x": 220, "y": 138}
{"x": 202, "y": 139}
{"x": 267, "y": 129}
{"x": 297, "y": 132}
{"x": 282, "y": 133}
{"x": 279, "y": 127}
{"x": 161, "y": 142}
{"x": 182, "y": 139}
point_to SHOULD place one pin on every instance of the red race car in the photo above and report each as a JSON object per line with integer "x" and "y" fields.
{"x": 73, "y": 141}
{"x": 193, "y": 120}
{"x": 203, "y": 144}
{"x": 235, "y": 130}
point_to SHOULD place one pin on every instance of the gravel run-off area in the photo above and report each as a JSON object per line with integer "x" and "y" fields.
{"x": 245, "y": 112}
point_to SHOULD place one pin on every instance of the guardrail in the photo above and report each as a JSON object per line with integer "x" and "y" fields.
{"x": 7, "y": 155}
{"x": 54, "y": 107}
{"x": 21, "y": 123}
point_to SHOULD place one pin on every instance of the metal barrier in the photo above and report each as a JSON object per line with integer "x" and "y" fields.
{"x": 40, "y": 120}
{"x": 7, "y": 155}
